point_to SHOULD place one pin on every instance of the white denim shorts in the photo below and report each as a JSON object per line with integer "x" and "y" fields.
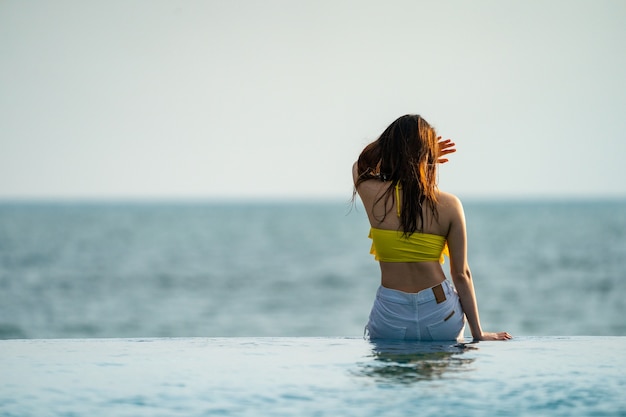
{"x": 432, "y": 314}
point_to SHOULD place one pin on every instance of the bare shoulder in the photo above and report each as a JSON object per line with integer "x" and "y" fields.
{"x": 450, "y": 204}
{"x": 449, "y": 200}
{"x": 370, "y": 188}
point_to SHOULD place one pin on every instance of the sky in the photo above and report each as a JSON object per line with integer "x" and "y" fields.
{"x": 275, "y": 99}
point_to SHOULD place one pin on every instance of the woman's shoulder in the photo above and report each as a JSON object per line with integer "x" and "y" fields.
{"x": 449, "y": 202}
{"x": 448, "y": 199}
{"x": 450, "y": 209}
{"x": 371, "y": 186}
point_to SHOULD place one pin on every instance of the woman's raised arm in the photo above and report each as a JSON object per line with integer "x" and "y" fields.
{"x": 445, "y": 147}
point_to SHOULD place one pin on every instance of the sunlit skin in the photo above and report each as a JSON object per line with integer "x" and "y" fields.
{"x": 413, "y": 277}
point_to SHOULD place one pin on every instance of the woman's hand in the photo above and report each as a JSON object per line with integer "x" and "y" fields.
{"x": 494, "y": 336}
{"x": 445, "y": 147}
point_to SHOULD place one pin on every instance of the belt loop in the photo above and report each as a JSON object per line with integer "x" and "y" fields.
{"x": 440, "y": 296}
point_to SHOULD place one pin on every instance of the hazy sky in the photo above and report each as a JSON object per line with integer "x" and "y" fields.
{"x": 148, "y": 98}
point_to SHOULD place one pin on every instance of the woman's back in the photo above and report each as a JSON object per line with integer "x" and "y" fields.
{"x": 383, "y": 214}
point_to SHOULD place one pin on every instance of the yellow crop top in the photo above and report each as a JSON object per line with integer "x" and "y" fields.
{"x": 393, "y": 246}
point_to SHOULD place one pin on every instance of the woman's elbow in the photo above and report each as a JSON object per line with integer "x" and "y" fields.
{"x": 462, "y": 277}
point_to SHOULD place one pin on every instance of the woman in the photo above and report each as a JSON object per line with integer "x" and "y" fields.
{"x": 413, "y": 224}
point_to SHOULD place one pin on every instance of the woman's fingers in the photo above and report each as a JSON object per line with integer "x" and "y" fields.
{"x": 445, "y": 147}
{"x": 496, "y": 336}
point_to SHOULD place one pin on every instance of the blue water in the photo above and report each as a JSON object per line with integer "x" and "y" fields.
{"x": 202, "y": 269}
{"x": 528, "y": 376}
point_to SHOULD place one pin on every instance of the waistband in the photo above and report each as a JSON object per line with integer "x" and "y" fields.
{"x": 438, "y": 293}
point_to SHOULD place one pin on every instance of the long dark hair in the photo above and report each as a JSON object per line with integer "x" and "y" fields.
{"x": 406, "y": 153}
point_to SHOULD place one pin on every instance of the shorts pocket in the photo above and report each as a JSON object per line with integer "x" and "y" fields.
{"x": 449, "y": 328}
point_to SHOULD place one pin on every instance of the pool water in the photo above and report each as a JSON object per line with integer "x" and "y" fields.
{"x": 556, "y": 376}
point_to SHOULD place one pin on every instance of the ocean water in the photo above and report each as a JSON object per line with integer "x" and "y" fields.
{"x": 203, "y": 269}
{"x": 302, "y": 376}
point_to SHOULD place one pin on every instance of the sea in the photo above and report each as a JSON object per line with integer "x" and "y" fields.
{"x": 154, "y": 269}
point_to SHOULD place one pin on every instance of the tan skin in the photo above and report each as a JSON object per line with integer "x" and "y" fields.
{"x": 413, "y": 277}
